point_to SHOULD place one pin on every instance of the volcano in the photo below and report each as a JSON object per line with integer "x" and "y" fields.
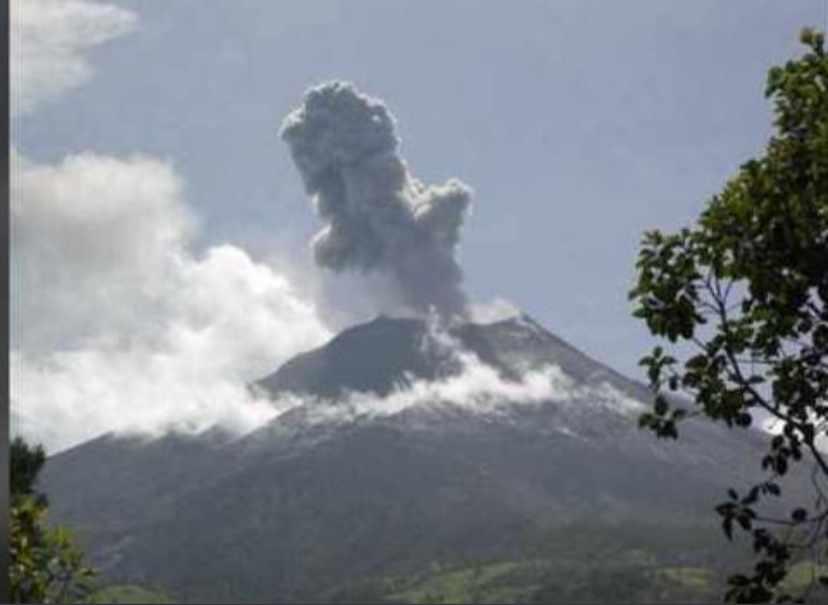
{"x": 417, "y": 454}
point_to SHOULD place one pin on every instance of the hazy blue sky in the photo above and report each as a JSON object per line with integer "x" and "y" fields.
{"x": 578, "y": 124}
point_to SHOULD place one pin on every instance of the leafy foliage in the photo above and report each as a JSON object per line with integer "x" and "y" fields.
{"x": 26, "y": 463}
{"x": 747, "y": 289}
{"x": 587, "y": 562}
{"x": 45, "y": 565}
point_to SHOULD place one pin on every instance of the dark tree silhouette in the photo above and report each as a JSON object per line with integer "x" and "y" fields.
{"x": 45, "y": 565}
{"x": 26, "y": 463}
{"x": 747, "y": 289}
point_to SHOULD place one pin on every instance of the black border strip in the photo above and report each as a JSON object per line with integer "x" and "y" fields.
{"x": 4, "y": 323}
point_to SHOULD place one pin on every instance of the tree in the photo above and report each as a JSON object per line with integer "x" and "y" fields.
{"x": 26, "y": 463}
{"x": 45, "y": 565}
{"x": 745, "y": 290}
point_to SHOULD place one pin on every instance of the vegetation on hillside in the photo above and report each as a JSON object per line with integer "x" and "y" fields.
{"x": 45, "y": 564}
{"x": 579, "y": 563}
{"x": 378, "y": 518}
{"x": 124, "y": 594}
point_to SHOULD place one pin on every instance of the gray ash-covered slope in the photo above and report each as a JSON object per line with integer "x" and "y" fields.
{"x": 371, "y": 357}
{"x": 381, "y": 355}
{"x": 309, "y": 502}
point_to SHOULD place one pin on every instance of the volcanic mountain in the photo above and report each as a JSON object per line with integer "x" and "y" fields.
{"x": 415, "y": 450}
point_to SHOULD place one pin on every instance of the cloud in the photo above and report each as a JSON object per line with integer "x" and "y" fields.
{"x": 475, "y": 387}
{"x": 498, "y": 309}
{"x": 71, "y": 396}
{"x": 48, "y": 41}
{"x": 478, "y": 387}
{"x": 117, "y": 323}
{"x": 378, "y": 217}
{"x": 775, "y": 426}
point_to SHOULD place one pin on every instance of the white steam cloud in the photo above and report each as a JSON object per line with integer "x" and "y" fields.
{"x": 473, "y": 386}
{"x": 477, "y": 388}
{"x": 498, "y": 309}
{"x": 48, "y": 39}
{"x": 378, "y": 216}
{"x": 118, "y": 325}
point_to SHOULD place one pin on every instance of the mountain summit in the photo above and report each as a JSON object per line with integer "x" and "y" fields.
{"x": 386, "y": 353}
{"x": 413, "y": 446}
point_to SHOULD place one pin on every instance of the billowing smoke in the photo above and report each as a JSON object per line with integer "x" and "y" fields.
{"x": 379, "y": 218}
{"x": 119, "y": 323}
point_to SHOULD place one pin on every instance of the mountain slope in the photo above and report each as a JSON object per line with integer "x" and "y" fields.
{"x": 331, "y": 492}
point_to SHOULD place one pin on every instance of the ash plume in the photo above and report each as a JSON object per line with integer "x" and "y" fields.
{"x": 378, "y": 217}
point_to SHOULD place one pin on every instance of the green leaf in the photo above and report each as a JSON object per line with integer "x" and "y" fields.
{"x": 661, "y": 406}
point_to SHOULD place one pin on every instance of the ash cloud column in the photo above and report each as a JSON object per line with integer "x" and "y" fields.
{"x": 378, "y": 217}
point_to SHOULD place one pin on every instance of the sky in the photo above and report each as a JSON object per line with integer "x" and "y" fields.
{"x": 161, "y": 229}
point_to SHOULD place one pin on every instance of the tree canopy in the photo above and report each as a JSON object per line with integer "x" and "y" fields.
{"x": 45, "y": 565}
{"x": 26, "y": 462}
{"x": 745, "y": 289}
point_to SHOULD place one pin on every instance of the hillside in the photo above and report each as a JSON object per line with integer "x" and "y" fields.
{"x": 332, "y": 497}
